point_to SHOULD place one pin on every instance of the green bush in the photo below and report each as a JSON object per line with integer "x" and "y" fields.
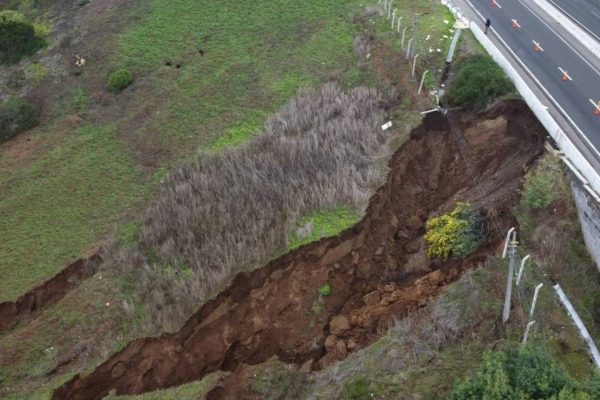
{"x": 523, "y": 373}
{"x": 542, "y": 184}
{"x": 477, "y": 80}
{"x": 325, "y": 290}
{"x": 453, "y": 234}
{"x": 16, "y": 116}
{"x": 17, "y": 37}
{"x": 119, "y": 80}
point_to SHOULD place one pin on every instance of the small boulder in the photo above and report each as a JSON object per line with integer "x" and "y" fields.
{"x": 402, "y": 235}
{"x": 413, "y": 246}
{"x": 414, "y": 223}
{"x": 339, "y": 325}
{"x": 306, "y": 367}
{"x": 352, "y": 344}
{"x": 391, "y": 263}
{"x": 390, "y": 287}
{"x": 330, "y": 342}
{"x": 371, "y": 298}
{"x": 340, "y": 349}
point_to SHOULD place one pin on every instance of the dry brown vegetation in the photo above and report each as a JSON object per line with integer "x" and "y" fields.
{"x": 232, "y": 210}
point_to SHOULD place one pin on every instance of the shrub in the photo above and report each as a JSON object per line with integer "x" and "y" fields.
{"x": 17, "y": 37}
{"x": 477, "y": 80}
{"x": 524, "y": 373}
{"x": 119, "y": 80}
{"x": 541, "y": 184}
{"x": 325, "y": 290}
{"x": 453, "y": 234}
{"x": 16, "y": 116}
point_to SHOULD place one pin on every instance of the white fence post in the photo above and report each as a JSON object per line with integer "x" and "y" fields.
{"x": 422, "y": 81}
{"x": 523, "y": 263}
{"x": 414, "y": 64}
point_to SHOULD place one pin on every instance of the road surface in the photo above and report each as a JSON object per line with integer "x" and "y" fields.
{"x": 567, "y": 75}
{"x": 584, "y": 12}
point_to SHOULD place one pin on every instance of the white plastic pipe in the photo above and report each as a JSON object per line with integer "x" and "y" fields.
{"x": 506, "y": 241}
{"x": 529, "y": 325}
{"x": 579, "y": 324}
{"x": 523, "y": 263}
{"x": 422, "y": 81}
{"x": 535, "y": 296}
{"x": 414, "y": 65}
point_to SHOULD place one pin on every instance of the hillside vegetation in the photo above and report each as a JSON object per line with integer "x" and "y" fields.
{"x": 206, "y": 76}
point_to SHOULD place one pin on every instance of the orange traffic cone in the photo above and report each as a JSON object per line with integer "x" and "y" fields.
{"x": 597, "y": 109}
{"x": 565, "y": 76}
{"x": 537, "y": 47}
{"x": 494, "y": 4}
{"x": 515, "y": 24}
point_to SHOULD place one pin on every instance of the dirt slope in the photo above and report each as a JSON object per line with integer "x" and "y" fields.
{"x": 376, "y": 269}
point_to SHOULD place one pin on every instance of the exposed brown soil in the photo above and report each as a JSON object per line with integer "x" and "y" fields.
{"x": 49, "y": 292}
{"x": 377, "y": 269}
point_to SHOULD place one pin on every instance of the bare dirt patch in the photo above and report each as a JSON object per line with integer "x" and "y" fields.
{"x": 275, "y": 311}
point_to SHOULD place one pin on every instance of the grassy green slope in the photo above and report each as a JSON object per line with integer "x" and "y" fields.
{"x": 64, "y": 200}
{"x": 256, "y": 55}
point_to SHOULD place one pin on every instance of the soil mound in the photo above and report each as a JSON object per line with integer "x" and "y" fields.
{"x": 376, "y": 270}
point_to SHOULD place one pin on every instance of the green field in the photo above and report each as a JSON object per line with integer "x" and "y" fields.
{"x": 60, "y": 201}
{"x": 55, "y": 208}
{"x": 256, "y": 54}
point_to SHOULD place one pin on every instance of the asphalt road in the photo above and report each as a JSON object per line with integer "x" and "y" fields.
{"x": 571, "y": 97}
{"x": 585, "y": 12}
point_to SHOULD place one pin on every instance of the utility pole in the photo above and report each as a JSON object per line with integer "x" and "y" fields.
{"x": 511, "y": 248}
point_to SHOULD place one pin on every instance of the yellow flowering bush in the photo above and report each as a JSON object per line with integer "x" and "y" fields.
{"x": 453, "y": 234}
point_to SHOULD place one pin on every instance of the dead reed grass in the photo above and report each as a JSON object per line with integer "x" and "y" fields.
{"x": 233, "y": 210}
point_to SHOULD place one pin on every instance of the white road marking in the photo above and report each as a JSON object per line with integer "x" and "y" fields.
{"x": 565, "y": 74}
{"x": 591, "y": 147}
{"x": 553, "y": 3}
